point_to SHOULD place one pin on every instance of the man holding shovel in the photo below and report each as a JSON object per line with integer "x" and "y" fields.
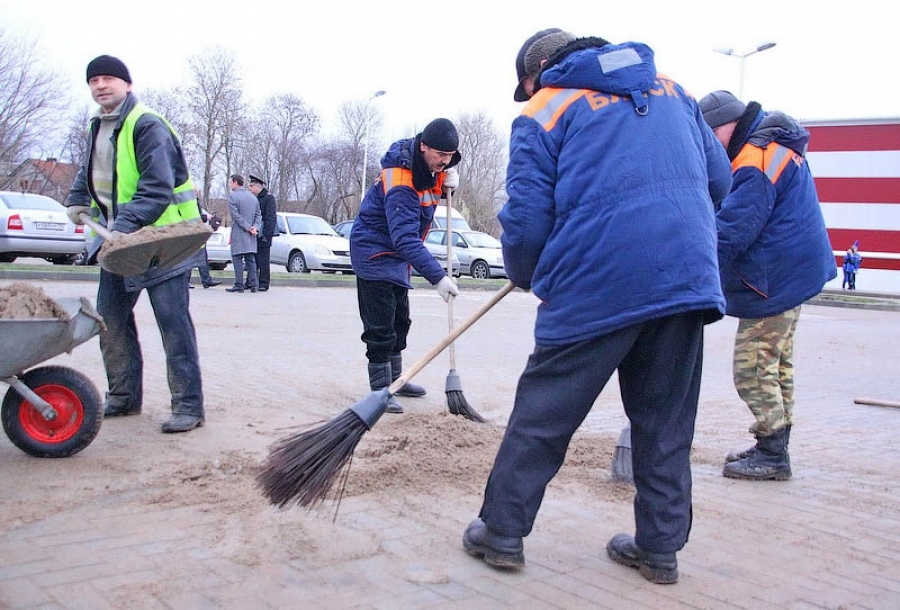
{"x": 612, "y": 158}
{"x": 135, "y": 175}
{"x": 386, "y": 240}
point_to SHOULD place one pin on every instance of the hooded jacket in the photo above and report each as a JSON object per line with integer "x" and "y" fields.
{"x": 774, "y": 251}
{"x": 611, "y": 181}
{"x": 395, "y": 216}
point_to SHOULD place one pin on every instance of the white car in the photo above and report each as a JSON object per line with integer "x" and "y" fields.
{"x": 480, "y": 254}
{"x": 307, "y": 243}
{"x": 36, "y": 226}
{"x": 218, "y": 248}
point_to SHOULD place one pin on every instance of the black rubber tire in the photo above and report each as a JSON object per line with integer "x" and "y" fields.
{"x": 297, "y": 263}
{"x": 79, "y": 407}
{"x": 480, "y": 270}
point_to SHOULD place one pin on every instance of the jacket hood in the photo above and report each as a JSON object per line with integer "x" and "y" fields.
{"x": 779, "y": 127}
{"x": 621, "y": 69}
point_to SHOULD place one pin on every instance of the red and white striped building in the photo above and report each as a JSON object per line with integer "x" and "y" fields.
{"x": 856, "y": 166}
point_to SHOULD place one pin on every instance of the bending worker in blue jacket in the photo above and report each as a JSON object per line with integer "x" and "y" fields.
{"x": 386, "y": 239}
{"x": 774, "y": 254}
{"x": 612, "y": 180}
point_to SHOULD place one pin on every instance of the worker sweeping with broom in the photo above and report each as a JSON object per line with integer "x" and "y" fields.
{"x": 386, "y": 240}
{"x": 613, "y": 162}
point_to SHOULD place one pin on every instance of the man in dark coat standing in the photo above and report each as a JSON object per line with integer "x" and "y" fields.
{"x": 267, "y": 208}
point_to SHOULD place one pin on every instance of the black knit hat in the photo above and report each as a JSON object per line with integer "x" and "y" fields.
{"x": 537, "y": 48}
{"x": 107, "y": 65}
{"x": 441, "y": 134}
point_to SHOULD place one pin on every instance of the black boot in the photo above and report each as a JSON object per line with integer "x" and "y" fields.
{"x": 409, "y": 389}
{"x": 380, "y": 378}
{"x": 770, "y": 461}
{"x": 734, "y": 456}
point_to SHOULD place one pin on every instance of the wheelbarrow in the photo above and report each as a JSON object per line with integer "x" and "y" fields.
{"x": 49, "y": 411}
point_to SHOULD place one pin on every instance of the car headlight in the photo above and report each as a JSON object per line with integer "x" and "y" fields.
{"x": 321, "y": 250}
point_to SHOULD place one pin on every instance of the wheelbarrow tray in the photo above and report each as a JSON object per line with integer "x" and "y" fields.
{"x": 26, "y": 342}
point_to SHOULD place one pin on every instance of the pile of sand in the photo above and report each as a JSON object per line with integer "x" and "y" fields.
{"x": 21, "y": 300}
{"x": 151, "y": 234}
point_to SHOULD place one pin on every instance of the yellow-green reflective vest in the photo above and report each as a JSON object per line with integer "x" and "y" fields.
{"x": 183, "y": 205}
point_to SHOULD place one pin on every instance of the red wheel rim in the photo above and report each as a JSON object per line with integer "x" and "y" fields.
{"x": 69, "y": 415}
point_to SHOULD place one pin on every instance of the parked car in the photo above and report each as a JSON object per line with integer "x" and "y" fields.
{"x": 457, "y": 220}
{"x": 480, "y": 254}
{"x": 36, "y": 226}
{"x": 343, "y": 228}
{"x": 218, "y": 248}
{"x": 307, "y": 243}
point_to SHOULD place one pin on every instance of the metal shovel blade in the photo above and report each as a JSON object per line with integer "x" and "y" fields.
{"x": 153, "y": 247}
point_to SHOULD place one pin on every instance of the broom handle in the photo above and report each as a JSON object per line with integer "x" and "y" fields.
{"x": 437, "y": 349}
{"x": 98, "y": 228}
{"x": 449, "y": 236}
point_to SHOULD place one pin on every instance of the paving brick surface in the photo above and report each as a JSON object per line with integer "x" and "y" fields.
{"x": 828, "y": 538}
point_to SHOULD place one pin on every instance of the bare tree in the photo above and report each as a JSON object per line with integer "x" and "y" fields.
{"x": 31, "y": 101}
{"x": 216, "y": 111}
{"x": 481, "y": 172}
{"x": 281, "y": 145}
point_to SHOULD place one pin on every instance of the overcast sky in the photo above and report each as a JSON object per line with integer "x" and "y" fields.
{"x": 832, "y": 60}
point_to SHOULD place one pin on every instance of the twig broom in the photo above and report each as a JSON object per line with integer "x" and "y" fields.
{"x": 302, "y": 468}
{"x": 456, "y": 400}
{"x": 621, "y": 463}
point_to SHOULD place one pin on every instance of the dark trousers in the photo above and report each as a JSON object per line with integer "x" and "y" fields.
{"x": 659, "y": 364}
{"x": 384, "y": 310}
{"x": 203, "y": 267}
{"x": 122, "y": 351}
{"x": 849, "y": 280}
{"x": 263, "y": 250}
{"x": 245, "y": 260}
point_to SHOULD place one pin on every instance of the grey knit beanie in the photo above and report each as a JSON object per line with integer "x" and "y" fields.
{"x": 720, "y": 107}
{"x": 538, "y": 47}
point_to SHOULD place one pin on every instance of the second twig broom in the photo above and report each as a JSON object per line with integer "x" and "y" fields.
{"x": 302, "y": 468}
{"x": 456, "y": 400}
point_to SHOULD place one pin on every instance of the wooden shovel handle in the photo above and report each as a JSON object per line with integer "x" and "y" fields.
{"x": 98, "y": 228}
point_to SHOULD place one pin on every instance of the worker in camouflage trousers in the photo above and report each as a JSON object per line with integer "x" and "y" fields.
{"x": 774, "y": 254}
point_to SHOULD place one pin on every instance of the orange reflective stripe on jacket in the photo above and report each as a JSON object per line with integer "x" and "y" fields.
{"x": 398, "y": 176}
{"x": 770, "y": 160}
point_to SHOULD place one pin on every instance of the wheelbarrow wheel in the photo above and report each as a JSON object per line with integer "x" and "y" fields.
{"x": 78, "y": 406}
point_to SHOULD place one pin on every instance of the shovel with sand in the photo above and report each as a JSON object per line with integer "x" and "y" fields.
{"x": 149, "y": 247}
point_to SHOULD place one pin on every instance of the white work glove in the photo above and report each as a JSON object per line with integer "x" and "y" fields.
{"x": 447, "y": 287}
{"x": 451, "y": 178}
{"x": 74, "y": 212}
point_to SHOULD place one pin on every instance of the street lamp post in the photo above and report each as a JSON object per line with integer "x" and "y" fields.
{"x": 743, "y": 56}
{"x": 362, "y": 192}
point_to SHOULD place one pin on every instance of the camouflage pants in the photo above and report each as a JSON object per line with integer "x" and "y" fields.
{"x": 764, "y": 369}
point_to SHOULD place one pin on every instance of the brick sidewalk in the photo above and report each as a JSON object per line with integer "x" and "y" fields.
{"x": 828, "y": 538}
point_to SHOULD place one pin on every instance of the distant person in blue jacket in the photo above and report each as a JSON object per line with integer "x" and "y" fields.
{"x": 612, "y": 181}
{"x": 774, "y": 254}
{"x": 852, "y": 261}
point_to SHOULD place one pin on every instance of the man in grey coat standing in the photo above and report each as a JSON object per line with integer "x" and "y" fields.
{"x": 246, "y": 221}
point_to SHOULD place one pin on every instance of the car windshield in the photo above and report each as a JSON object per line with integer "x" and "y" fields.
{"x": 23, "y": 201}
{"x": 482, "y": 240}
{"x": 309, "y": 225}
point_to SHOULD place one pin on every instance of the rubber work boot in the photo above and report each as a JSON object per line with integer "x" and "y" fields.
{"x": 379, "y": 378}
{"x": 770, "y": 461}
{"x": 409, "y": 389}
{"x": 180, "y": 422}
{"x": 114, "y": 410}
{"x": 496, "y": 550}
{"x": 734, "y": 456}
{"x": 658, "y": 568}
